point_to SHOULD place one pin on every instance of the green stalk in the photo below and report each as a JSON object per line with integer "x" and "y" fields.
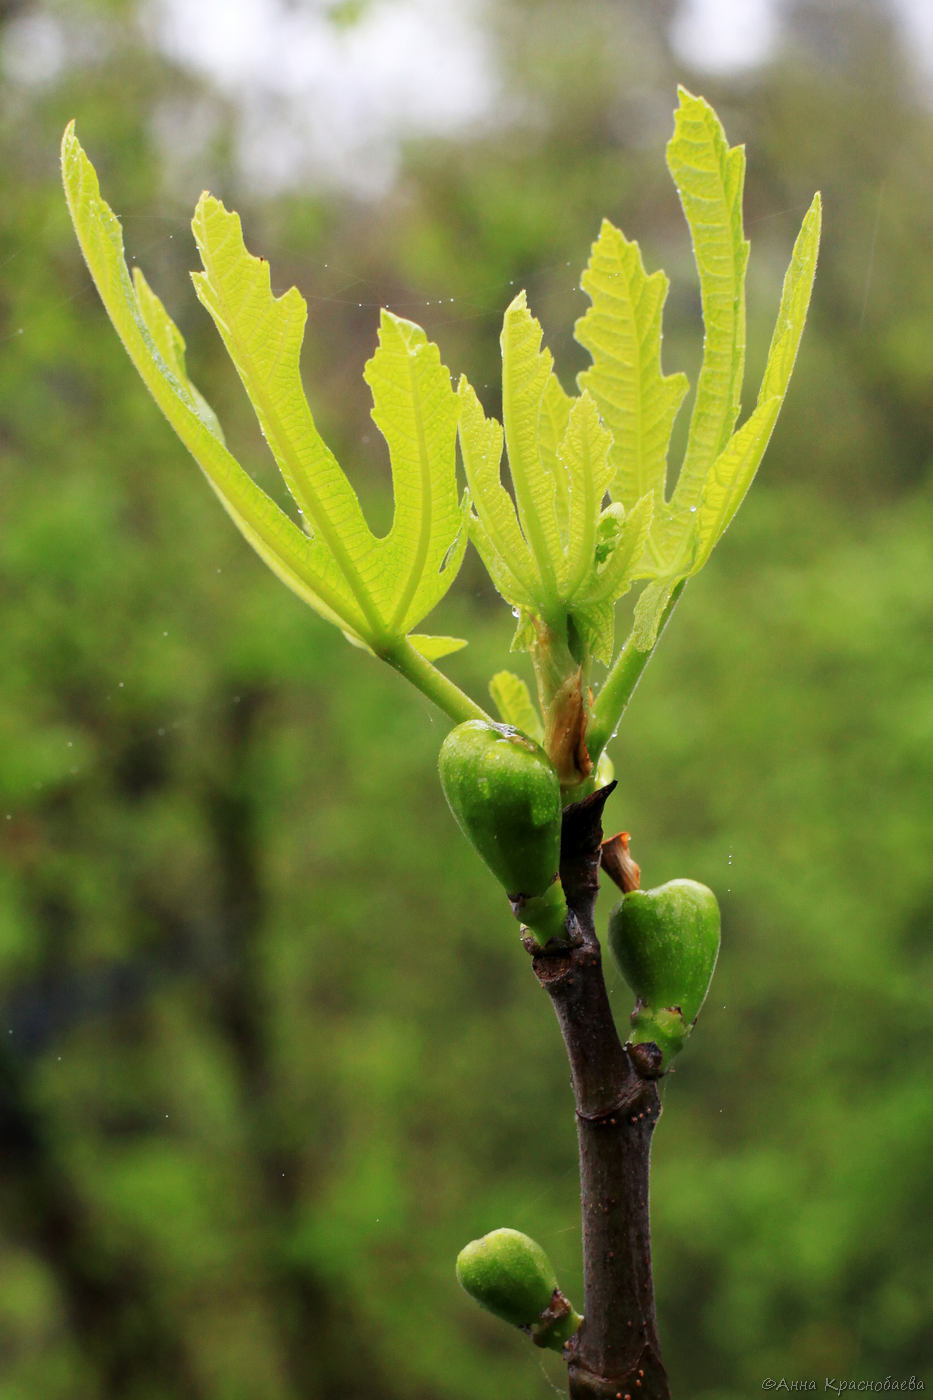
{"x": 619, "y": 685}
{"x": 409, "y": 662}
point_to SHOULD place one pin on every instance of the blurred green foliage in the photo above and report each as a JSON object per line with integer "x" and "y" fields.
{"x": 270, "y": 1052}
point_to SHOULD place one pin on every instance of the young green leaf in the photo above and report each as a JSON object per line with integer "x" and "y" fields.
{"x": 584, "y": 454}
{"x": 622, "y": 332}
{"x": 515, "y": 705}
{"x": 555, "y": 553}
{"x": 620, "y": 552}
{"x": 416, "y": 410}
{"x": 494, "y": 528}
{"x": 621, "y": 540}
{"x": 397, "y": 580}
{"x": 735, "y": 468}
{"x": 686, "y": 531}
{"x": 170, "y": 345}
{"x": 733, "y": 471}
{"x": 374, "y": 589}
{"x": 649, "y": 610}
{"x": 156, "y": 348}
{"x": 553, "y": 417}
{"x": 433, "y": 648}
{"x": 263, "y": 336}
{"x": 526, "y": 370}
{"x": 709, "y": 177}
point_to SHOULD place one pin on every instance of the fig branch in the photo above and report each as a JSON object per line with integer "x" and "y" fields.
{"x": 506, "y": 796}
{"x": 616, "y": 1351}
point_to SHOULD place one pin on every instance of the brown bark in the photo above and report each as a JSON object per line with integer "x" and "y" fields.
{"x": 616, "y": 1353}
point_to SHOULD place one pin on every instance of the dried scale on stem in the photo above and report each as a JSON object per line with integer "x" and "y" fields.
{"x": 616, "y": 1351}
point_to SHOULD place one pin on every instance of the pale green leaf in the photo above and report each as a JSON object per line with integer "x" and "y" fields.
{"x": 709, "y": 177}
{"x": 526, "y": 369}
{"x": 734, "y": 470}
{"x": 263, "y": 336}
{"x": 730, "y": 477}
{"x": 495, "y": 530}
{"x": 649, "y": 610}
{"x": 672, "y": 541}
{"x": 415, "y": 409}
{"x": 622, "y": 332}
{"x": 525, "y": 636}
{"x": 170, "y": 345}
{"x": 552, "y": 424}
{"x": 497, "y": 568}
{"x": 584, "y": 452}
{"x": 795, "y": 302}
{"x": 441, "y": 568}
{"x": 156, "y": 348}
{"x": 399, "y": 579}
{"x": 623, "y": 552}
{"x": 564, "y": 556}
{"x": 433, "y": 648}
{"x": 595, "y": 625}
{"x": 620, "y": 552}
{"x": 515, "y": 705}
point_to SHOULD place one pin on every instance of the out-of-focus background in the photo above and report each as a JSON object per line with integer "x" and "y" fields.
{"x": 270, "y": 1051}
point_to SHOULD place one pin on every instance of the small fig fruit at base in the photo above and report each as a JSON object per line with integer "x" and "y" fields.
{"x": 510, "y": 1275}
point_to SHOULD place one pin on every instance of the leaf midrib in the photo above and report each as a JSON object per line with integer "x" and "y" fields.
{"x": 425, "y": 530}
{"x": 524, "y": 496}
{"x": 637, "y": 411}
{"x": 694, "y": 453}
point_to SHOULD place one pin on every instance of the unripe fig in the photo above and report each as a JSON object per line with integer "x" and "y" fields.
{"x": 510, "y": 1275}
{"x": 505, "y": 794}
{"x": 666, "y": 942}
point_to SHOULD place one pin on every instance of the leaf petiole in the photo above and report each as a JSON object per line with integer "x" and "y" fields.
{"x": 403, "y": 657}
{"x": 619, "y": 686}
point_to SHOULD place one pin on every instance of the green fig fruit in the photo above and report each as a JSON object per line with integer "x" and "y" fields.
{"x": 510, "y": 1275}
{"x": 505, "y": 795}
{"x": 666, "y": 942}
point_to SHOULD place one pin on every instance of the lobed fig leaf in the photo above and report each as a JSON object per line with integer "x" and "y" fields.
{"x": 376, "y": 590}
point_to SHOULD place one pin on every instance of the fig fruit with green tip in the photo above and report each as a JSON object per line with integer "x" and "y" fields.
{"x": 666, "y": 942}
{"x": 510, "y": 1275}
{"x": 505, "y": 795}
